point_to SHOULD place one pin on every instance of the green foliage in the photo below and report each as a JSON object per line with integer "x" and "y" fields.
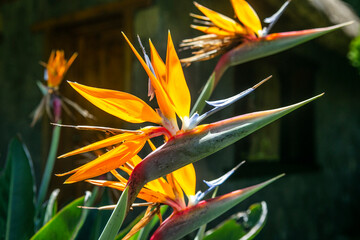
{"x": 51, "y": 207}
{"x": 116, "y": 219}
{"x": 17, "y": 194}
{"x": 181, "y": 223}
{"x": 241, "y": 226}
{"x": 49, "y": 166}
{"x": 354, "y": 53}
{"x": 66, "y": 223}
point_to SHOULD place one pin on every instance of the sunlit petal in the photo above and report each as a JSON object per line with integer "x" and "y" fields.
{"x": 107, "y": 162}
{"x": 212, "y": 30}
{"x": 71, "y": 60}
{"x": 176, "y": 88}
{"x": 100, "y": 144}
{"x": 220, "y": 20}
{"x": 186, "y": 178}
{"x": 158, "y": 64}
{"x": 246, "y": 15}
{"x": 162, "y": 98}
{"x": 179, "y": 194}
{"x": 120, "y": 104}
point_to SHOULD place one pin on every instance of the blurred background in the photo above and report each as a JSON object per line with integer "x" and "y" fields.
{"x": 316, "y": 146}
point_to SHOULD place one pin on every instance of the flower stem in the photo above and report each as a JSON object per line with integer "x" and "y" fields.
{"x": 49, "y": 167}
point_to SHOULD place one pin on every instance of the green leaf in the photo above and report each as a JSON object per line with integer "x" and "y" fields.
{"x": 5, "y": 179}
{"x": 229, "y": 230}
{"x": 66, "y": 223}
{"x": 116, "y": 219}
{"x": 251, "y": 50}
{"x": 187, "y": 220}
{"x": 89, "y": 201}
{"x": 99, "y": 219}
{"x": 21, "y": 192}
{"x": 251, "y": 223}
{"x": 51, "y": 207}
{"x": 354, "y": 52}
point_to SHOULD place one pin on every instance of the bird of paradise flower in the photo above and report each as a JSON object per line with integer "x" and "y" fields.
{"x": 239, "y": 42}
{"x": 55, "y": 70}
{"x": 168, "y": 83}
{"x": 183, "y": 145}
{"x": 224, "y": 33}
{"x": 175, "y": 190}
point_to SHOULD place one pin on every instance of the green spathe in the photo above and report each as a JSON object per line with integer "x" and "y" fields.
{"x": 259, "y": 48}
{"x": 194, "y": 145}
{"x": 183, "y": 222}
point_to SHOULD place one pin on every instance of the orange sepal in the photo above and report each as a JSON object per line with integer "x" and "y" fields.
{"x": 186, "y": 178}
{"x": 100, "y": 144}
{"x": 108, "y": 161}
{"x": 221, "y": 21}
{"x": 246, "y": 15}
{"x": 212, "y": 30}
{"x": 176, "y": 87}
{"x": 120, "y": 104}
{"x": 162, "y": 98}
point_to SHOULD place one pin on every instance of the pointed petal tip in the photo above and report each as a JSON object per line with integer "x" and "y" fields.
{"x": 260, "y": 83}
{"x": 60, "y": 174}
{"x": 345, "y": 23}
{"x": 68, "y": 182}
{"x": 337, "y": 26}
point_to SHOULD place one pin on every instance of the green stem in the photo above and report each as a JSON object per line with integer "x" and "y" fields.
{"x": 48, "y": 168}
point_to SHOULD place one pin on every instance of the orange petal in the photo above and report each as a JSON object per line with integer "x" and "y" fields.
{"x": 179, "y": 195}
{"x": 186, "y": 178}
{"x": 163, "y": 100}
{"x": 176, "y": 88}
{"x": 136, "y": 160}
{"x": 71, "y": 60}
{"x": 144, "y": 194}
{"x": 213, "y": 30}
{"x": 120, "y": 104}
{"x": 100, "y": 144}
{"x": 161, "y": 186}
{"x": 158, "y": 64}
{"x": 108, "y": 161}
{"x": 246, "y": 14}
{"x": 221, "y": 21}
{"x": 119, "y": 177}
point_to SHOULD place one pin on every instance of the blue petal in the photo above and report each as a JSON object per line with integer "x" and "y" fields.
{"x": 46, "y": 76}
{"x": 215, "y": 183}
{"x": 151, "y": 90}
{"x": 218, "y": 105}
{"x": 147, "y": 59}
{"x": 226, "y": 102}
{"x": 274, "y": 18}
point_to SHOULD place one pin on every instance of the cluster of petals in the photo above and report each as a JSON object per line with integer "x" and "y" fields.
{"x": 57, "y": 67}
{"x": 224, "y": 33}
{"x": 168, "y": 84}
